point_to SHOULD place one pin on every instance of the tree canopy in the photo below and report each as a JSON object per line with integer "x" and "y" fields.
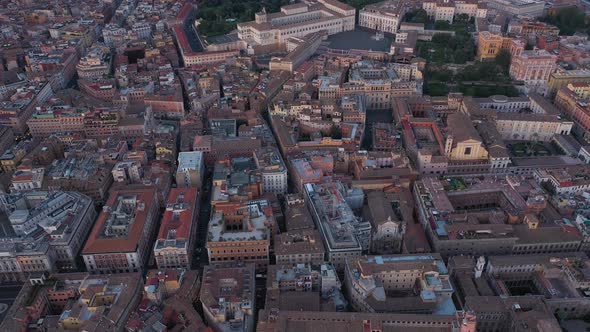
{"x": 569, "y": 20}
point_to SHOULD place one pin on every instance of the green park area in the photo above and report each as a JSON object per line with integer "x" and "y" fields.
{"x": 528, "y": 149}
{"x": 218, "y": 17}
{"x": 569, "y": 20}
{"x": 479, "y": 79}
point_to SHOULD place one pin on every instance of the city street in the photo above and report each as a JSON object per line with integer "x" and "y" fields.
{"x": 8, "y": 293}
{"x": 200, "y": 258}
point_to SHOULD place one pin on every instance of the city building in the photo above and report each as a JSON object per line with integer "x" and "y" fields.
{"x": 241, "y": 232}
{"x": 75, "y": 301}
{"x": 272, "y": 169}
{"x": 120, "y": 240}
{"x": 45, "y": 233}
{"x": 298, "y": 20}
{"x": 506, "y": 292}
{"x": 383, "y": 16}
{"x": 572, "y": 99}
{"x": 344, "y": 234}
{"x": 569, "y": 181}
{"x": 489, "y": 45}
{"x": 300, "y": 50}
{"x": 399, "y": 283}
{"x": 84, "y": 175}
{"x": 127, "y": 171}
{"x": 534, "y": 8}
{"x": 168, "y": 297}
{"x": 227, "y": 295}
{"x": 297, "y": 216}
{"x": 236, "y": 179}
{"x": 190, "y": 170}
{"x": 511, "y": 314}
{"x": 176, "y": 236}
{"x": 11, "y": 158}
{"x": 379, "y": 83}
{"x": 299, "y": 247}
{"x": 493, "y": 216}
{"x": 521, "y": 118}
{"x": 561, "y": 78}
{"x": 447, "y": 10}
{"x": 295, "y": 321}
{"x": 18, "y": 106}
{"x": 304, "y": 287}
{"x": 387, "y": 223}
{"x": 91, "y": 122}
{"x": 533, "y": 68}
{"x": 96, "y": 63}
{"x": 27, "y": 178}
{"x": 6, "y": 138}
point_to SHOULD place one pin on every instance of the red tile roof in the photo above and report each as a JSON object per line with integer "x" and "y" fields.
{"x": 181, "y": 223}
{"x": 97, "y": 244}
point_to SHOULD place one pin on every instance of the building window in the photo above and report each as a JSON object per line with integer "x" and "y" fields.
{"x": 467, "y": 151}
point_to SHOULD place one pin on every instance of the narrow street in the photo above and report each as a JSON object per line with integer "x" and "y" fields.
{"x": 200, "y": 258}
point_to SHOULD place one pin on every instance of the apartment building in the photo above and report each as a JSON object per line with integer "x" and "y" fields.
{"x": 568, "y": 181}
{"x": 120, "y": 240}
{"x": 75, "y": 301}
{"x": 241, "y": 232}
{"x": 18, "y": 106}
{"x": 305, "y": 287}
{"x": 227, "y": 296}
{"x": 190, "y": 170}
{"x": 573, "y": 99}
{"x": 176, "y": 236}
{"x": 273, "y": 170}
{"x": 344, "y": 235}
{"x": 49, "y": 232}
{"x": 96, "y": 63}
{"x": 417, "y": 284}
{"x": 299, "y": 247}
{"x": 561, "y": 78}
{"x": 84, "y": 175}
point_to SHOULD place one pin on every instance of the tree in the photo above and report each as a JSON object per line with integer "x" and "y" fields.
{"x": 336, "y": 132}
{"x": 569, "y": 20}
{"x": 462, "y": 18}
{"x": 529, "y": 46}
{"x": 442, "y": 25}
{"x": 416, "y": 16}
{"x": 441, "y": 39}
{"x": 503, "y": 60}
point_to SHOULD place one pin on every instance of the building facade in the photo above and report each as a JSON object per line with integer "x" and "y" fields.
{"x": 298, "y": 20}
{"x": 120, "y": 241}
{"x": 176, "y": 236}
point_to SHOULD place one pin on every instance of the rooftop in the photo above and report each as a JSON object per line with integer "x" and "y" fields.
{"x": 247, "y": 221}
{"x": 337, "y": 220}
{"x": 177, "y": 222}
{"x": 303, "y": 242}
{"x": 121, "y": 222}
